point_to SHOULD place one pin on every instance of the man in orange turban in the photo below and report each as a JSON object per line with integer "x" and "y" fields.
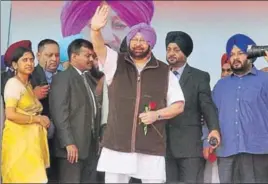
{"x": 225, "y": 66}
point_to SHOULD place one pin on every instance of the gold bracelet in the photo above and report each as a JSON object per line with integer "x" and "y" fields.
{"x": 31, "y": 119}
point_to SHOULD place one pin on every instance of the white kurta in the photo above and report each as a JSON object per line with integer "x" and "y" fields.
{"x": 142, "y": 166}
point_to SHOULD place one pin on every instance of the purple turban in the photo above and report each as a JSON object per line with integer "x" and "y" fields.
{"x": 147, "y": 32}
{"x": 239, "y": 40}
{"x": 76, "y": 14}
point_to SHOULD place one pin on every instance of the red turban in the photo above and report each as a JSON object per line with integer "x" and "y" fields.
{"x": 224, "y": 59}
{"x": 12, "y": 48}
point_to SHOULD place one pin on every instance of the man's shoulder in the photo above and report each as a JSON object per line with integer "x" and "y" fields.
{"x": 262, "y": 74}
{"x": 198, "y": 71}
{"x": 62, "y": 75}
{"x": 38, "y": 68}
{"x": 162, "y": 64}
{"x": 223, "y": 82}
{"x": 199, "y": 75}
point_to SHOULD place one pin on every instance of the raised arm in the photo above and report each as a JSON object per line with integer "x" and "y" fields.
{"x": 98, "y": 21}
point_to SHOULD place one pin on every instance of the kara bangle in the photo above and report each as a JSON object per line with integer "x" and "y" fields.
{"x": 159, "y": 117}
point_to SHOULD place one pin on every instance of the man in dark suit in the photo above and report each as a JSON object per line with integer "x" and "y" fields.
{"x": 185, "y": 162}
{"x": 48, "y": 62}
{"x": 75, "y": 112}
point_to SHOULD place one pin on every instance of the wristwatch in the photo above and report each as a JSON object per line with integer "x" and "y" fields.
{"x": 159, "y": 117}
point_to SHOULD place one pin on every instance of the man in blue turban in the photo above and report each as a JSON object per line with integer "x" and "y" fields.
{"x": 241, "y": 100}
{"x": 236, "y": 48}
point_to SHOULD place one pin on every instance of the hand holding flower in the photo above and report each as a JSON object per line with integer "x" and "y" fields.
{"x": 148, "y": 117}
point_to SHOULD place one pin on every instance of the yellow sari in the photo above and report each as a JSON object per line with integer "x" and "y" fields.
{"x": 25, "y": 154}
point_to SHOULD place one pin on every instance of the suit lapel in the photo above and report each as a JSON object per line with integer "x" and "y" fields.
{"x": 41, "y": 73}
{"x": 185, "y": 75}
{"x": 78, "y": 79}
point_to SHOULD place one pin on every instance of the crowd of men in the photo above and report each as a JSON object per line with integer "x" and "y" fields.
{"x": 153, "y": 132}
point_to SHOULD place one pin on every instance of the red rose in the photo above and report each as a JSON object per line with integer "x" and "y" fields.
{"x": 152, "y": 105}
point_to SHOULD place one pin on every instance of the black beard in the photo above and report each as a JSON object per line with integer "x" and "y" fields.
{"x": 243, "y": 70}
{"x": 177, "y": 63}
{"x": 140, "y": 56}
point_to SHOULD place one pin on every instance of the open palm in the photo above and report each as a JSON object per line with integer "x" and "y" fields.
{"x": 99, "y": 19}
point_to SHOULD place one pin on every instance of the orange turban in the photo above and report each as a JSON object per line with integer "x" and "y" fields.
{"x": 224, "y": 59}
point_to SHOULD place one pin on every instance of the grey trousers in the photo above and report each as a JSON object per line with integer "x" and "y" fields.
{"x": 189, "y": 170}
{"x": 243, "y": 168}
{"x": 84, "y": 171}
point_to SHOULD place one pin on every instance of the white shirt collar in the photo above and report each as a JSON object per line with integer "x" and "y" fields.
{"x": 79, "y": 71}
{"x": 180, "y": 70}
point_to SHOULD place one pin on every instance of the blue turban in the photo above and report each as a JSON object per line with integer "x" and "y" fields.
{"x": 239, "y": 40}
{"x": 64, "y": 43}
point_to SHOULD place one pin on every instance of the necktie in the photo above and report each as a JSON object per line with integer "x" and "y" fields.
{"x": 92, "y": 99}
{"x": 177, "y": 74}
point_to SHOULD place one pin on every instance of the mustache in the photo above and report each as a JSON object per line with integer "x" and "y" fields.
{"x": 235, "y": 61}
{"x": 138, "y": 48}
{"x": 172, "y": 57}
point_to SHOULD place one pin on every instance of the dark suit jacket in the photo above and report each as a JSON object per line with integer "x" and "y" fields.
{"x": 71, "y": 111}
{"x": 185, "y": 130}
{"x": 4, "y": 78}
{"x": 38, "y": 78}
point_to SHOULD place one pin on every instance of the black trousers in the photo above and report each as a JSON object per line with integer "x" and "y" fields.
{"x": 189, "y": 170}
{"x": 84, "y": 171}
{"x": 243, "y": 168}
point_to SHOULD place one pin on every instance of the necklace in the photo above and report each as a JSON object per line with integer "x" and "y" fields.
{"x": 30, "y": 91}
{"x": 28, "y": 88}
{"x": 24, "y": 84}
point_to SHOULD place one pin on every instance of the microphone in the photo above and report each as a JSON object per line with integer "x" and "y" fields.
{"x": 213, "y": 141}
{"x": 44, "y": 81}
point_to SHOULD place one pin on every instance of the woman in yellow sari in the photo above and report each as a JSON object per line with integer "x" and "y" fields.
{"x": 25, "y": 155}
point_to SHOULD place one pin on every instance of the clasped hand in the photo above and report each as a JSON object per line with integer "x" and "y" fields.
{"x": 148, "y": 117}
